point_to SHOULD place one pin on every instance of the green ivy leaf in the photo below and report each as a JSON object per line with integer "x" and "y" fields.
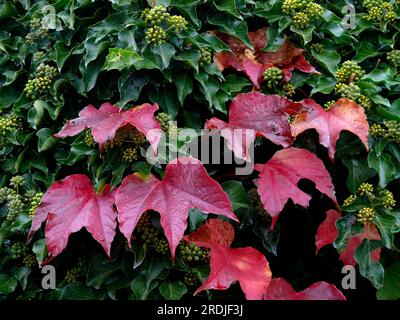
{"x": 358, "y": 172}
{"x": 119, "y": 59}
{"x": 7, "y": 283}
{"x": 391, "y": 284}
{"x": 236, "y": 193}
{"x": 173, "y": 290}
{"x": 369, "y": 269}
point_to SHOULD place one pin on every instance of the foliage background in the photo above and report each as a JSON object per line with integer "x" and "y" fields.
{"x": 82, "y": 43}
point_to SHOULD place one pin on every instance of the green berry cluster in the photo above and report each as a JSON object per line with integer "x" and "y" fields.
{"x": 34, "y": 203}
{"x": 147, "y": 232}
{"x": 15, "y": 206}
{"x": 166, "y": 123}
{"x": 10, "y": 124}
{"x": 302, "y": 12}
{"x": 349, "y": 72}
{"x": 349, "y": 200}
{"x": 39, "y": 55}
{"x": 394, "y": 57}
{"x": 17, "y": 181}
{"x": 317, "y": 47}
{"x": 89, "y": 140}
{"x": 160, "y": 23}
{"x": 329, "y": 104}
{"x": 364, "y": 102}
{"x": 390, "y": 130}
{"x": 129, "y": 154}
{"x": 156, "y": 35}
{"x": 161, "y": 246}
{"x": 288, "y": 90}
{"x": 192, "y": 253}
{"x": 76, "y": 272}
{"x": 20, "y": 251}
{"x": 387, "y": 198}
{"x": 273, "y": 76}
{"x": 206, "y": 56}
{"x": 350, "y": 91}
{"x": 37, "y": 31}
{"x": 365, "y": 215}
{"x": 366, "y": 189}
{"x": 380, "y": 11}
{"x": 39, "y": 86}
{"x": 191, "y": 279}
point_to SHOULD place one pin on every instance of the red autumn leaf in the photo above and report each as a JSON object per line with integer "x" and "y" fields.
{"x": 327, "y": 233}
{"x": 213, "y": 232}
{"x": 263, "y": 115}
{"x": 343, "y": 115}
{"x": 278, "y": 179}
{"x": 280, "y": 289}
{"x": 246, "y": 265}
{"x": 185, "y": 185}
{"x": 253, "y": 62}
{"x": 105, "y": 121}
{"x": 68, "y": 206}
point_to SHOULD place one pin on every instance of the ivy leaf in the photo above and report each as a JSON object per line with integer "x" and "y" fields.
{"x": 369, "y": 267}
{"x": 382, "y": 162}
{"x": 86, "y": 209}
{"x": 105, "y": 122}
{"x": 280, "y": 289}
{"x": 173, "y": 290}
{"x": 165, "y": 52}
{"x": 119, "y": 59}
{"x": 185, "y": 185}
{"x": 388, "y": 224}
{"x": 236, "y": 194}
{"x": 7, "y": 283}
{"x": 228, "y": 6}
{"x": 358, "y": 172}
{"x": 246, "y": 265}
{"x": 255, "y": 114}
{"x": 344, "y": 115}
{"x": 184, "y": 85}
{"x": 391, "y": 284}
{"x": 46, "y": 140}
{"x": 278, "y": 178}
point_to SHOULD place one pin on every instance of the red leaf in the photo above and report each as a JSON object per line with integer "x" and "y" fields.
{"x": 280, "y": 289}
{"x": 246, "y": 265}
{"x": 370, "y": 233}
{"x": 278, "y": 179}
{"x": 267, "y": 116}
{"x": 68, "y": 206}
{"x": 344, "y": 115}
{"x": 327, "y": 231}
{"x": 213, "y": 232}
{"x": 105, "y": 121}
{"x": 254, "y": 62}
{"x": 186, "y": 185}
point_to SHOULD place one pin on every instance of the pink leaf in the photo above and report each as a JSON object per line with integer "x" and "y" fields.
{"x": 266, "y": 116}
{"x": 327, "y": 231}
{"x": 68, "y": 206}
{"x": 344, "y": 115}
{"x": 186, "y": 185}
{"x": 105, "y": 121}
{"x": 280, "y": 289}
{"x": 278, "y": 179}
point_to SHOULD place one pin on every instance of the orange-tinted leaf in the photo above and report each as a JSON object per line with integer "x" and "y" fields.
{"x": 280, "y": 289}
{"x": 68, "y": 206}
{"x": 213, "y": 232}
{"x": 343, "y": 115}
{"x": 278, "y": 178}
{"x": 254, "y": 62}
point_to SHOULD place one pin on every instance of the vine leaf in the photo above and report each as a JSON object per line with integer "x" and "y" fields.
{"x": 185, "y": 185}
{"x": 255, "y": 114}
{"x": 246, "y": 265}
{"x": 254, "y": 62}
{"x": 345, "y": 114}
{"x": 105, "y": 121}
{"x": 280, "y": 289}
{"x": 278, "y": 178}
{"x": 68, "y": 206}
{"x": 327, "y": 231}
